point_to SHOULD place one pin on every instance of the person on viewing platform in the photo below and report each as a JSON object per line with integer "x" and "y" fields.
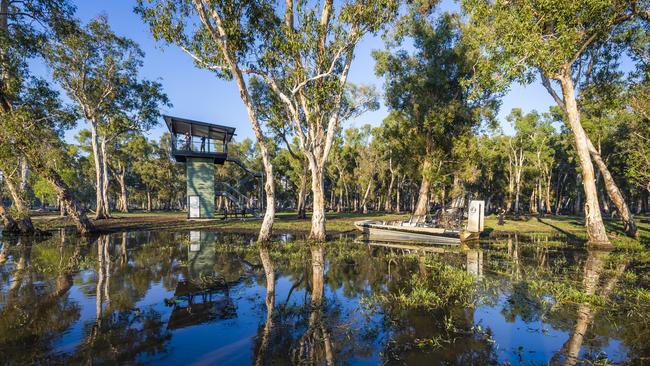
{"x": 188, "y": 141}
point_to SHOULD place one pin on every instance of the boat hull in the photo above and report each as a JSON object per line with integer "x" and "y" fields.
{"x": 378, "y": 230}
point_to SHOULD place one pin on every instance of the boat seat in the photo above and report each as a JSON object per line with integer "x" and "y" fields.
{"x": 415, "y": 220}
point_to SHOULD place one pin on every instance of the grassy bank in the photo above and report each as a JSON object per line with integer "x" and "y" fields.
{"x": 284, "y": 222}
{"x": 572, "y": 227}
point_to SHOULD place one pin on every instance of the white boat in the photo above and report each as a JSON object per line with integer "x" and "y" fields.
{"x": 420, "y": 232}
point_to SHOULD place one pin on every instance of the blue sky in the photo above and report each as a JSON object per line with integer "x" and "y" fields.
{"x": 198, "y": 94}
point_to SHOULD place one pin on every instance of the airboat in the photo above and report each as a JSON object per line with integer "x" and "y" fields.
{"x": 443, "y": 227}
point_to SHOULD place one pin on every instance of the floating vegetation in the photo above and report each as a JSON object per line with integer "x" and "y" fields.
{"x": 563, "y": 294}
{"x": 437, "y": 286}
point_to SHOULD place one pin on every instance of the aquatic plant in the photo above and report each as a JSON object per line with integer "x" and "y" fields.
{"x": 440, "y": 286}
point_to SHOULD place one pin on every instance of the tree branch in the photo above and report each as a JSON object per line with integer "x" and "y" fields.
{"x": 288, "y": 14}
{"x": 547, "y": 84}
{"x": 334, "y": 118}
{"x": 200, "y": 61}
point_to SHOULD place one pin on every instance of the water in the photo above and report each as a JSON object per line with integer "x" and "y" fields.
{"x": 201, "y": 298}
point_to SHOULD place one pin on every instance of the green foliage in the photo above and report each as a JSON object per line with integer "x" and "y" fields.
{"x": 431, "y": 114}
{"x": 441, "y": 286}
{"x": 563, "y": 294}
{"x": 30, "y": 27}
{"x": 513, "y": 40}
{"x": 44, "y": 190}
{"x": 99, "y": 71}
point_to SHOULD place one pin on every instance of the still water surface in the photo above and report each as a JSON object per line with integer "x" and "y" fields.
{"x": 203, "y": 298}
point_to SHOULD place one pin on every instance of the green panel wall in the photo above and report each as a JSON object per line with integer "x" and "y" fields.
{"x": 200, "y": 182}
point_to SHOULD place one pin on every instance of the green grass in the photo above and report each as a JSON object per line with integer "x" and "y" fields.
{"x": 441, "y": 286}
{"x": 284, "y": 222}
{"x": 552, "y": 224}
{"x": 571, "y": 227}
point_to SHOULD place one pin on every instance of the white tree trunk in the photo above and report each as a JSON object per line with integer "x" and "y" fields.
{"x": 221, "y": 38}
{"x": 364, "y": 201}
{"x": 100, "y": 204}
{"x": 105, "y": 177}
{"x": 124, "y": 197}
{"x": 594, "y": 222}
{"x": 318, "y": 231}
{"x": 388, "y": 206}
{"x": 613, "y": 192}
{"x": 422, "y": 206}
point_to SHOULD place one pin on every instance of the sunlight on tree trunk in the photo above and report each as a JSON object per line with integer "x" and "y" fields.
{"x": 101, "y": 209}
{"x": 422, "y": 206}
{"x": 70, "y": 203}
{"x": 614, "y": 193}
{"x": 594, "y": 222}
{"x": 317, "y": 232}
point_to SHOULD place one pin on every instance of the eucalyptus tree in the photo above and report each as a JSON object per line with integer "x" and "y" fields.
{"x": 366, "y": 165}
{"x": 400, "y": 152}
{"x": 26, "y": 27}
{"x": 390, "y": 147}
{"x": 124, "y": 152}
{"x": 34, "y": 130}
{"x": 338, "y": 173}
{"x": 225, "y": 38}
{"x": 302, "y": 51}
{"x": 543, "y": 157}
{"x": 156, "y": 170}
{"x": 426, "y": 89}
{"x": 493, "y": 164}
{"x": 290, "y": 165}
{"x": 600, "y": 100}
{"x": 617, "y": 119}
{"x": 521, "y": 148}
{"x": 144, "y": 166}
{"x": 357, "y": 99}
{"x": 271, "y": 113}
{"x": 99, "y": 71}
{"x": 561, "y": 41}
{"x": 636, "y": 136}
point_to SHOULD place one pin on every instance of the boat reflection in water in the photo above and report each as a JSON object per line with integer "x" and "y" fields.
{"x": 470, "y": 250}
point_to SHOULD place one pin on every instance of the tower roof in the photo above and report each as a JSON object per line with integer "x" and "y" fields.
{"x": 184, "y": 126}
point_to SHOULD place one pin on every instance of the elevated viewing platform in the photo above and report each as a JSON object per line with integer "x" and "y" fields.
{"x": 195, "y": 139}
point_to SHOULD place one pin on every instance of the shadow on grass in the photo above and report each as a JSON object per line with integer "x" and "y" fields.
{"x": 570, "y": 236}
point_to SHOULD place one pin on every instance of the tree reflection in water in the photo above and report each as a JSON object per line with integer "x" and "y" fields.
{"x": 34, "y": 312}
{"x": 593, "y": 285}
{"x": 120, "y": 332}
{"x": 269, "y": 300}
{"x": 315, "y": 345}
{"x": 146, "y": 297}
{"x": 38, "y": 307}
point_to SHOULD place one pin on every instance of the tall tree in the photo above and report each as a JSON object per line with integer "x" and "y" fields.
{"x": 302, "y": 51}
{"x": 557, "y": 39}
{"x": 530, "y": 144}
{"x": 99, "y": 72}
{"x": 636, "y": 134}
{"x": 222, "y": 41}
{"x": 26, "y": 27}
{"x": 600, "y": 99}
{"x": 426, "y": 89}
{"x": 33, "y": 130}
